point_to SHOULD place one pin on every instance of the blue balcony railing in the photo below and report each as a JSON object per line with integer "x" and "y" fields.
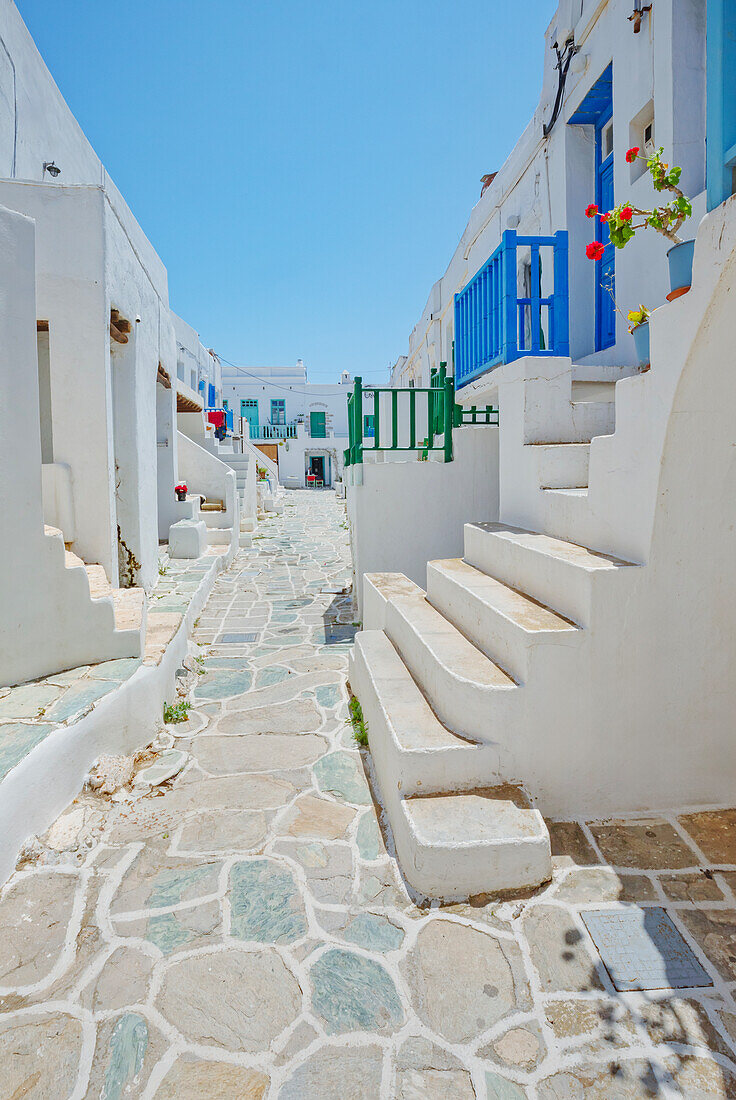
{"x": 273, "y": 431}
{"x": 496, "y": 324}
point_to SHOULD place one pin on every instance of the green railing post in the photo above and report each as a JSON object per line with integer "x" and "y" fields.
{"x": 351, "y": 433}
{"x": 449, "y": 402}
{"x": 358, "y": 413}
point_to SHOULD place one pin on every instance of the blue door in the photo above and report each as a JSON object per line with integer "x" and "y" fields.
{"x": 249, "y": 412}
{"x": 605, "y": 268}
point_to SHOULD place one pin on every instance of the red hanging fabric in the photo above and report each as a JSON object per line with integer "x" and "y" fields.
{"x": 216, "y": 417}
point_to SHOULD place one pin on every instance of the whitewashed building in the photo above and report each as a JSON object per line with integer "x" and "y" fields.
{"x": 572, "y": 652}
{"x": 97, "y": 453}
{"x": 300, "y": 425}
{"x": 613, "y": 88}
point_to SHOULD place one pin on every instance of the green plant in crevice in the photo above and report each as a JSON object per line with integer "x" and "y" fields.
{"x": 176, "y": 712}
{"x": 360, "y": 730}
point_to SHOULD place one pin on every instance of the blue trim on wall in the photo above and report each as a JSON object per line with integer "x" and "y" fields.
{"x": 596, "y": 102}
{"x": 721, "y": 109}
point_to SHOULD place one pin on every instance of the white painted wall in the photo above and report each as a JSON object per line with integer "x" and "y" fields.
{"x": 207, "y": 475}
{"x": 48, "y": 621}
{"x": 405, "y": 514}
{"x": 58, "y": 498}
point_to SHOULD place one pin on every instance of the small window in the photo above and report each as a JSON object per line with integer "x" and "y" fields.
{"x": 369, "y": 426}
{"x": 607, "y": 140}
{"x": 278, "y": 410}
{"x": 642, "y": 133}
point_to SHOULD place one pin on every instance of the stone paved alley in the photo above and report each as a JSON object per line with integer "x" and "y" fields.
{"x": 242, "y": 931}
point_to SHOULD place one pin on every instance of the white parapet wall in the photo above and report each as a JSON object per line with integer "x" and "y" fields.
{"x": 404, "y": 514}
{"x": 212, "y": 478}
{"x": 58, "y": 498}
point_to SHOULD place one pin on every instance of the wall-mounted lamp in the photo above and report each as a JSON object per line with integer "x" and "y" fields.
{"x": 52, "y": 169}
{"x": 638, "y": 14}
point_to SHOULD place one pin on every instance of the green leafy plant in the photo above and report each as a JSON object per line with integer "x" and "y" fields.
{"x": 176, "y": 712}
{"x": 262, "y": 472}
{"x": 666, "y": 219}
{"x": 360, "y": 730}
{"x": 162, "y": 569}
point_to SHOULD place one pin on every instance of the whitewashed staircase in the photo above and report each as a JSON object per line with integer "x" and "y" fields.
{"x": 119, "y": 613}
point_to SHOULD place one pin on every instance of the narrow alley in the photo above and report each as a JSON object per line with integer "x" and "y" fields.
{"x": 242, "y": 930}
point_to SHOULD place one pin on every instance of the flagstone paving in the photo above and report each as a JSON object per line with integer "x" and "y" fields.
{"x": 243, "y": 931}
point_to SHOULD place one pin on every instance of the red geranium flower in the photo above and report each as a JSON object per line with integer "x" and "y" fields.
{"x": 626, "y": 214}
{"x": 606, "y": 216}
{"x": 594, "y": 250}
{"x": 591, "y": 210}
{"x": 180, "y": 488}
{"x": 632, "y": 154}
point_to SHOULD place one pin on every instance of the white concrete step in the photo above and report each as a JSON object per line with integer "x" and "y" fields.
{"x": 462, "y": 840}
{"x": 378, "y": 589}
{"x": 469, "y": 843}
{"x": 411, "y": 749}
{"x": 129, "y": 606}
{"x": 466, "y": 690}
{"x": 561, "y": 465}
{"x": 219, "y": 536}
{"x": 557, "y": 573}
{"x": 590, "y": 419}
{"x": 566, "y": 513}
{"x": 501, "y": 621}
{"x": 99, "y": 585}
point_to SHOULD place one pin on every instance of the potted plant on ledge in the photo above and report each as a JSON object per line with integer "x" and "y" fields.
{"x": 181, "y": 491}
{"x": 666, "y": 219}
{"x": 639, "y": 328}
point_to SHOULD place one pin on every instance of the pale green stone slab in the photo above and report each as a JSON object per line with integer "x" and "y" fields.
{"x": 265, "y": 903}
{"x": 128, "y": 1045}
{"x": 17, "y": 740}
{"x": 352, "y": 993}
{"x": 340, "y": 774}
{"x": 77, "y": 699}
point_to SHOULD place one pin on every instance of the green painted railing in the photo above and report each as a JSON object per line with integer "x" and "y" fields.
{"x": 409, "y": 419}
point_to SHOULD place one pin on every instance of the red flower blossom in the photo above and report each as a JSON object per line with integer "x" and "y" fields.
{"x": 632, "y": 154}
{"x": 591, "y": 210}
{"x": 626, "y": 214}
{"x": 594, "y": 250}
{"x": 606, "y": 216}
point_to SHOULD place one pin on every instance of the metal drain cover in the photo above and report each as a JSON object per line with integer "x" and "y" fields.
{"x": 642, "y": 949}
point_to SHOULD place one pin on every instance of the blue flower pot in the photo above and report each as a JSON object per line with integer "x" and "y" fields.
{"x": 680, "y": 258}
{"x": 641, "y": 343}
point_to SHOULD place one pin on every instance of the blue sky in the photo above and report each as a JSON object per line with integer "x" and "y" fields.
{"x": 304, "y": 168}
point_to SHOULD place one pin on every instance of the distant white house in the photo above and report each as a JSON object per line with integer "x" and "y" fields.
{"x": 300, "y": 425}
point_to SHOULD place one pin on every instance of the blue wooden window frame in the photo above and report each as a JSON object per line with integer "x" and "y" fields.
{"x": 278, "y": 410}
